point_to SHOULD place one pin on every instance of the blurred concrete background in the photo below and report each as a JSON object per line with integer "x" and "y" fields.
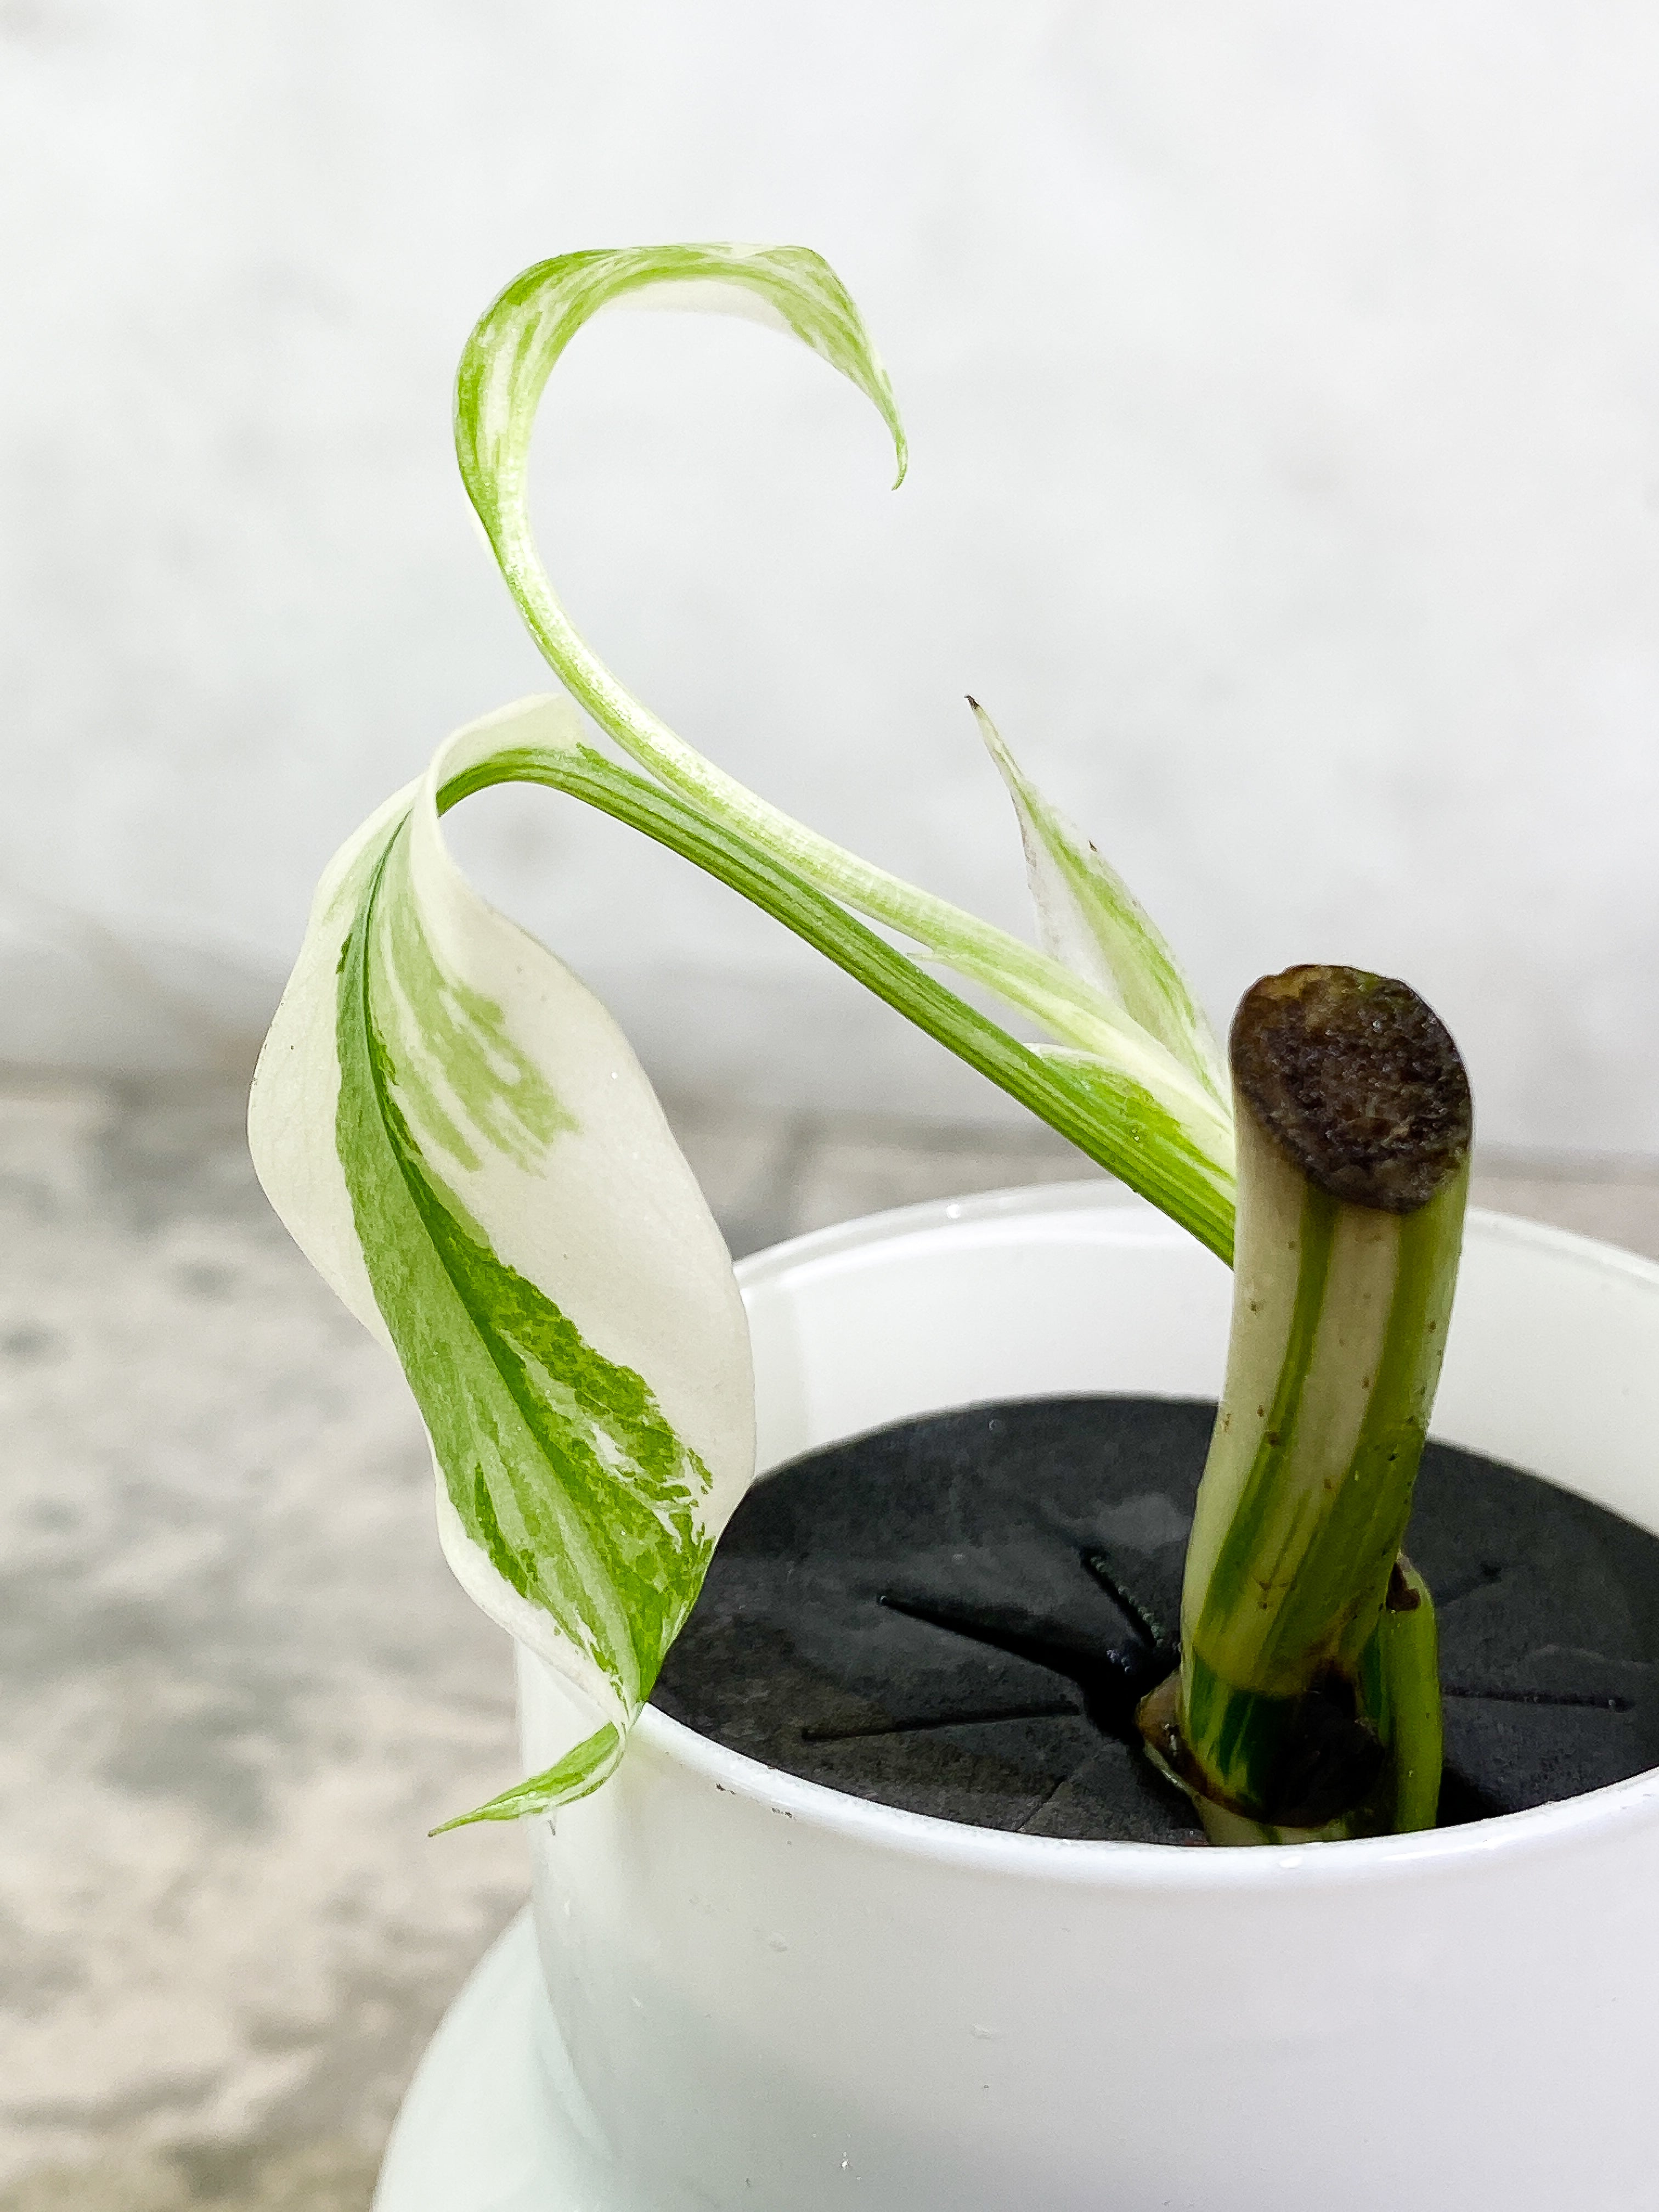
{"x": 1281, "y": 387}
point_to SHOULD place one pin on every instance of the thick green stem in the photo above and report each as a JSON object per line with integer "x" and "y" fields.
{"x": 1300, "y": 1689}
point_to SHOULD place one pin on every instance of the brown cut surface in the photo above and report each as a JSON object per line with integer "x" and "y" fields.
{"x": 1357, "y": 1080}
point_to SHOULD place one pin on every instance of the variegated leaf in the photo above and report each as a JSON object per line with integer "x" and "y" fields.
{"x": 458, "y": 1135}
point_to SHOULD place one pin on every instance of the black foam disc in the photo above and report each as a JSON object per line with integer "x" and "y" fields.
{"x": 958, "y": 1614}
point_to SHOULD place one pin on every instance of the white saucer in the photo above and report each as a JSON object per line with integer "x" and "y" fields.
{"x": 485, "y": 2125}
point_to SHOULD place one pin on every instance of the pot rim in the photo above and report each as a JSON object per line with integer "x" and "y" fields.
{"x": 1504, "y": 1838}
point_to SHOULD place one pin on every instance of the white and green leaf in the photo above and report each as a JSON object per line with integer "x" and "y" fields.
{"x": 458, "y": 1135}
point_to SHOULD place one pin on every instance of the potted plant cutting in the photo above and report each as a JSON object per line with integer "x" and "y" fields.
{"x": 770, "y": 1992}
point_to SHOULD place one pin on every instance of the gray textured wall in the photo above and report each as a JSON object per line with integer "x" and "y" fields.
{"x": 1283, "y": 384}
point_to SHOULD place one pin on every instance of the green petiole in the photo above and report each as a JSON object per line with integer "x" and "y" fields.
{"x": 1107, "y": 1116}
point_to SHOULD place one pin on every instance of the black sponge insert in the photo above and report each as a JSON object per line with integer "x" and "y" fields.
{"x": 958, "y": 1614}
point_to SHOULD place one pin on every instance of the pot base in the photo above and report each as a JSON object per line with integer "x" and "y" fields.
{"x": 484, "y": 2126}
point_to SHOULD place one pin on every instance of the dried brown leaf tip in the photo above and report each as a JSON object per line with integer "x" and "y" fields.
{"x": 1357, "y": 1081}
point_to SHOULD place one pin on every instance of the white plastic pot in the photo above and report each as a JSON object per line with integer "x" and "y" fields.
{"x": 774, "y": 1997}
